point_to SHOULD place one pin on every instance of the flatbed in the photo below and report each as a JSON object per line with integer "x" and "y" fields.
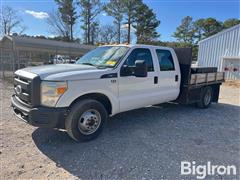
{"x": 194, "y": 79}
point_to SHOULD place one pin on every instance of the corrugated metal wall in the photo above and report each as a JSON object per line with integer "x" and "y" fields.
{"x": 223, "y": 45}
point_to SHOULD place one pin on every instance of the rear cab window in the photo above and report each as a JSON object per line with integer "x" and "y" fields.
{"x": 165, "y": 60}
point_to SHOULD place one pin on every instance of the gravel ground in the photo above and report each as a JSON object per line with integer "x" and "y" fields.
{"x": 148, "y": 143}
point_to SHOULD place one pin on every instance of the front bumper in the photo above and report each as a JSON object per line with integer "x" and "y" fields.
{"x": 50, "y": 117}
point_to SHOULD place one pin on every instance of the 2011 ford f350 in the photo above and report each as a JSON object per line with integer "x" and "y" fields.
{"x": 108, "y": 80}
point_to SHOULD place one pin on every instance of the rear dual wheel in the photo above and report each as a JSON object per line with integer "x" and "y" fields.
{"x": 206, "y": 98}
{"x": 86, "y": 120}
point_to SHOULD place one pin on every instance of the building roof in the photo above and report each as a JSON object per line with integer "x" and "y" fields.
{"x": 46, "y": 45}
{"x": 220, "y": 33}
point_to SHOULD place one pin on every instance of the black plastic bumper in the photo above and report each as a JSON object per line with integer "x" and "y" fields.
{"x": 39, "y": 116}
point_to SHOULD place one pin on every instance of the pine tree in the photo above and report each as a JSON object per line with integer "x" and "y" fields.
{"x": 94, "y": 32}
{"x": 230, "y": 23}
{"x": 199, "y": 30}
{"x": 115, "y": 8}
{"x": 89, "y": 10}
{"x": 145, "y": 23}
{"x": 68, "y": 13}
{"x": 211, "y": 26}
{"x": 130, "y": 7}
{"x": 185, "y": 32}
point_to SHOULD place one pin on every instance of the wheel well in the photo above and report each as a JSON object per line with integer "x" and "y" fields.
{"x": 98, "y": 97}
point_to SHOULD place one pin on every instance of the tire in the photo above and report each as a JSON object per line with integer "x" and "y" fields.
{"x": 86, "y": 120}
{"x": 206, "y": 98}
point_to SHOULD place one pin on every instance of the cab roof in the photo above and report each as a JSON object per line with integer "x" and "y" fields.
{"x": 139, "y": 45}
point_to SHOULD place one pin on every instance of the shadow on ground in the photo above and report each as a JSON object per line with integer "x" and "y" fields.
{"x": 149, "y": 143}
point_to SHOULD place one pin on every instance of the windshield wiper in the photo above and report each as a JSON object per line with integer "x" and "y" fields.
{"x": 90, "y": 64}
{"x": 97, "y": 66}
{"x": 104, "y": 66}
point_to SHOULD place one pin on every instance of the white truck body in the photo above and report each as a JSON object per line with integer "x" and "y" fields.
{"x": 79, "y": 97}
{"x": 125, "y": 94}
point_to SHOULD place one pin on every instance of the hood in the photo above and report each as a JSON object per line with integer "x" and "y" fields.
{"x": 62, "y": 72}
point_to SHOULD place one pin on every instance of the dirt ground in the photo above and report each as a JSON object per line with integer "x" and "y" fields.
{"x": 148, "y": 143}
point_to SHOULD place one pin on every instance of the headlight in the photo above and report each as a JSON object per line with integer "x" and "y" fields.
{"x": 51, "y": 92}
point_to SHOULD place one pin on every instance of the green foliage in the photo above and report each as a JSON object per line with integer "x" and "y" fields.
{"x": 68, "y": 15}
{"x": 206, "y": 27}
{"x": 89, "y": 11}
{"x": 145, "y": 23}
{"x": 185, "y": 32}
{"x": 199, "y": 30}
{"x": 230, "y": 22}
{"x": 139, "y": 16}
{"x": 115, "y": 8}
{"x": 211, "y": 26}
{"x": 130, "y": 7}
{"x": 94, "y": 31}
{"x": 192, "y": 32}
{"x": 177, "y": 45}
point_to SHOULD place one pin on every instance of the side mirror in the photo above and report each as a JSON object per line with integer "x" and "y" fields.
{"x": 125, "y": 71}
{"x": 141, "y": 68}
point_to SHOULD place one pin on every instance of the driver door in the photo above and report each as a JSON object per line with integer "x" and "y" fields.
{"x": 136, "y": 92}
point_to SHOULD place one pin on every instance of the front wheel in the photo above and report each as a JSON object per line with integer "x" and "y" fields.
{"x": 206, "y": 98}
{"x": 86, "y": 120}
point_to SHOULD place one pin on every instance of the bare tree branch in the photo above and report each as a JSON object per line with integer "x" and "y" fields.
{"x": 107, "y": 34}
{"x": 57, "y": 26}
{"x": 10, "y": 22}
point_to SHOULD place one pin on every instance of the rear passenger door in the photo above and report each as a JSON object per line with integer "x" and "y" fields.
{"x": 169, "y": 77}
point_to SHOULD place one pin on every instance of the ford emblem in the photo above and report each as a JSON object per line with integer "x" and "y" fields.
{"x": 18, "y": 89}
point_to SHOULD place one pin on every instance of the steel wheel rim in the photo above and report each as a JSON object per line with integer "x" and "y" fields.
{"x": 89, "y": 122}
{"x": 207, "y": 97}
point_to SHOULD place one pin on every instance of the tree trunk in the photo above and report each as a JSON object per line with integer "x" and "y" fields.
{"x": 88, "y": 26}
{"x": 5, "y": 28}
{"x": 92, "y": 35}
{"x": 85, "y": 31}
{"x": 119, "y": 32}
{"x": 129, "y": 28}
{"x": 71, "y": 29}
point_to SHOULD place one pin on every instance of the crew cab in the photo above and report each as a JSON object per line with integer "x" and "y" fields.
{"x": 109, "y": 80}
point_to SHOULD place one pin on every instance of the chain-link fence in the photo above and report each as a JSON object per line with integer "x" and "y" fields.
{"x": 7, "y": 63}
{"x": 20, "y": 52}
{"x": 11, "y": 61}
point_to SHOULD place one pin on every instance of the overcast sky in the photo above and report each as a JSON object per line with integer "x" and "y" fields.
{"x": 170, "y": 12}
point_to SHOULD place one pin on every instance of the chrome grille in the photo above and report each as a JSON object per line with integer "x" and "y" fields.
{"x": 22, "y": 88}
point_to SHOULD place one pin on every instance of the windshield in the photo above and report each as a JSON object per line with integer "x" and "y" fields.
{"x": 106, "y": 56}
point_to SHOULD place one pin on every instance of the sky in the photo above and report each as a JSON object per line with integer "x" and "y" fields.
{"x": 34, "y": 13}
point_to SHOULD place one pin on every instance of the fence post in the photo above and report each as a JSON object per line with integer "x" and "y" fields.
{"x": 2, "y": 64}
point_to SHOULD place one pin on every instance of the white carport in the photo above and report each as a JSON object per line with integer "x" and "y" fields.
{"x": 18, "y": 52}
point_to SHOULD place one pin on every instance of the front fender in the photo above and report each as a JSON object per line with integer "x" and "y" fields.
{"x": 77, "y": 89}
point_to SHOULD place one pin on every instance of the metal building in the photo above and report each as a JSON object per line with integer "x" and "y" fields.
{"x": 222, "y": 50}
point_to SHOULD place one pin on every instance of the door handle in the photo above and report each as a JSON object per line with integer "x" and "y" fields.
{"x": 155, "y": 80}
{"x": 176, "y": 78}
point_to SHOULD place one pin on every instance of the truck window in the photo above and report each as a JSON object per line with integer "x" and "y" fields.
{"x": 105, "y": 56}
{"x": 165, "y": 60}
{"x": 140, "y": 54}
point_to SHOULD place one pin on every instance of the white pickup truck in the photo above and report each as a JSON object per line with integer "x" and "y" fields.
{"x": 109, "y": 80}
